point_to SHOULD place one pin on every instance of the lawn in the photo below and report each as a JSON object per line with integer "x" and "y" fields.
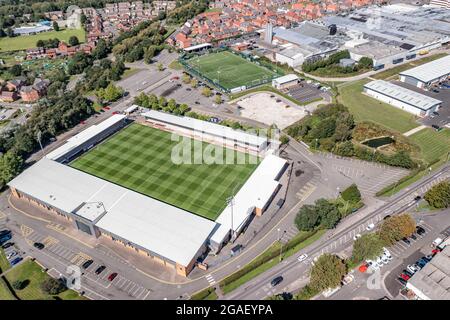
{"x": 26, "y": 42}
{"x": 433, "y": 144}
{"x": 365, "y": 108}
{"x": 229, "y": 70}
{"x": 4, "y": 264}
{"x": 139, "y": 158}
{"x": 30, "y": 270}
{"x": 205, "y": 294}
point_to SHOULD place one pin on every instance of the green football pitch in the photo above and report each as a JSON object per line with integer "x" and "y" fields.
{"x": 139, "y": 158}
{"x": 229, "y": 70}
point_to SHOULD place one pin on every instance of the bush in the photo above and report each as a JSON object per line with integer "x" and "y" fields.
{"x": 395, "y": 228}
{"x": 351, "y": 194}
{"x": 327, "y": 272}
{"x": 306, "y": 293}
{"x": 368, "y": 246}
{"x": 53, "y": 286}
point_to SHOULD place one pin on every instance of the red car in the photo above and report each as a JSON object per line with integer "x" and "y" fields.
{"x": 405, "y": 277}
{"x": 112, "y": 276}
{"x": 106, "y": 108}
{"x": 115, "y": 112}
{"x": 83, "y": 122}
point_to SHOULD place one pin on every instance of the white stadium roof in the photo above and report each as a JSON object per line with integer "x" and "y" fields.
{"x": 430, "y": 71}
{"x": 255, "y": 193}
{"x": 84, "y": 136}
{"x": 404, "y": 95}
{"x": 151, "y": 224}
{"x": 206, "y": 127}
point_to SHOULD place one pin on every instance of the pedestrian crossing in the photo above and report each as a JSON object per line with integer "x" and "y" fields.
{"x": 210, "y": 279}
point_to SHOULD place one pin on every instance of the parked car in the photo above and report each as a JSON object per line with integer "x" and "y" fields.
{"x": 112, "y": 276}
{"x": 417, "y": 198}
{"x": 87, "y": 264}
{"x": 387, "y": 217}
{"x": 409, "y": 274}
{"x": 100, "y": 270}
{"x": 413, "y": 236}
{"x": 405, "y": 240}
{"x": 420, "y": 230}
{"x": 356, "y": 236}
{"x": 303, "y": 257}
{"x": 11, "y": 255}
{"x": 405, "y": 276}
{"x": 5, "y": 231}
{"x": 276, "y": 281}
{"x": 402, "y": 281}
{"x": 7, "y": 245}
{"x": 421, "y": 263}
{"x": 412, "y": 268}
{"x": 16, "y": 261}
{"x": 38, "y": 245}
{"x": 370, "y": 227}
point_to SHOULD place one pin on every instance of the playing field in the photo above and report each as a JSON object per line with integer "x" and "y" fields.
{"x": 229, "y": 70}
{"x": 433, "y": 144}
{"x": 26, "y": 42}
{"x": 139, "y": 158}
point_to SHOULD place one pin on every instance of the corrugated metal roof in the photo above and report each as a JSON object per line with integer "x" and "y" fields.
{"x": 430, "y": 71}
{"x": 285, "y": 79}
{"x": 207, "y": 127}
{"x": 410, "y": 97}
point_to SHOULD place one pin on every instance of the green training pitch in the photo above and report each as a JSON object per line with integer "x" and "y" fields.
{"x": 139, "y": 158}
{"x": 229, "y": 70}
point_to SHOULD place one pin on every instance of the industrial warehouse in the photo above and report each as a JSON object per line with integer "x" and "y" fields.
{"x": 402, "y": 98}
{"x": 427, "y": 74}
{"x": 163, "y": 232}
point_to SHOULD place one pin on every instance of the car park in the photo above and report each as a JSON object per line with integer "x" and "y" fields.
{"x": 38, "y": 245}
{"x": 112, "y": 276}
{"x": 275, "y": 281}
{"x": 303, "y": 257}
{"x": 87, "y": 264}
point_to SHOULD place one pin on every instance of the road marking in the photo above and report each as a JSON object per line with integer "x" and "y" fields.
{"x": 26, "y": 230}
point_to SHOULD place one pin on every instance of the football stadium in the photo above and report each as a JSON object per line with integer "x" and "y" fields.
{"x": 118, "y": 180}
{"x": 228, "y": 71}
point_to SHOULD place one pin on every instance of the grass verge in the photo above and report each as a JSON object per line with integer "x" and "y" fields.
{"x": 205, "y": 294}
{"x": 268, "y": 259}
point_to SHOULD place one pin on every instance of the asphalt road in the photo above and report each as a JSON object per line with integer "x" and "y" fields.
{"x": 295, "y": 273}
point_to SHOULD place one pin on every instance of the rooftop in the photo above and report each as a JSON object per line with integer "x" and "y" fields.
{"x": 433, "y": 281}
{"x": 206, "y": 127}
{"x": 151, "y": 224}
{"x": 286, "y": 78}
{"x": 430, "y": 71}
{"x": 410, "y": 97}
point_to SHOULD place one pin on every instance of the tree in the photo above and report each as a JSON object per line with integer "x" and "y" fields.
{"x": 327, "y": 272}
{"x": 101, "y": 50}
{"x": 194, "y": 83}
{"x": 73, "y": 41}
{"x": 395, "y": 228}
{"x": 40, "y": 43}
{"x": 16, "y": 70}
{"x": 53, "y": 286}
{"x": 206, "y": 92}
{"x": 55, "y": 26}
{"x": 218, "y": 99}
{"x": 186, "y": 78}
{"x": 2, "y": 33}
{"x": 284, "y": 139}
{"x": 20, "y": 284}
{"x": 439, "y": 195}
{"x": 10, "y": 32}
{"x": 110, "y": 93}
{"x": 160, "y": 67}
{"x": 351, "y": 194}
{"x": 328, "y": 212}
{"x": 307, "y": 218}
{"x": 10, "y": 166}
{"x": 365, "y": 63}
{"x": 369, "y": 246}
